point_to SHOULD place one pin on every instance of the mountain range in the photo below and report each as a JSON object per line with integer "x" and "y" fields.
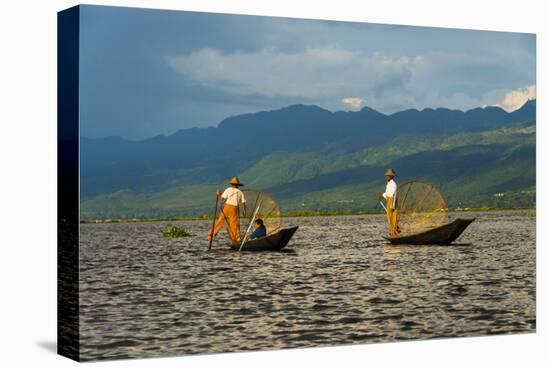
{"x": 313, "y": 159}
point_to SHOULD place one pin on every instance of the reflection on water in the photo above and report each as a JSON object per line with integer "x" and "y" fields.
{"x": 392, "y": 251}
{"x": 337, "y": 283}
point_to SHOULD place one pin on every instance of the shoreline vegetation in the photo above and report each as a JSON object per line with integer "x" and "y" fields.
{"x": 291, "y": 214}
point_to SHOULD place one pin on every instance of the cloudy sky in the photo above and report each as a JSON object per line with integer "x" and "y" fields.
{"x": 150, "y": 72}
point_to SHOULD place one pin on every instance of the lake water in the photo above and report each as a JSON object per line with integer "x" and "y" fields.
{"x": 337, "y": 283}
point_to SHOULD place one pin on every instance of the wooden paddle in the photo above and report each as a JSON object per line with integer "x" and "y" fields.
{"x": 213, "y": 222}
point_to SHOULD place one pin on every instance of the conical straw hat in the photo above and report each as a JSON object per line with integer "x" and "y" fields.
{"x": 235, "y": 181}
{"x": 390, "y": 172}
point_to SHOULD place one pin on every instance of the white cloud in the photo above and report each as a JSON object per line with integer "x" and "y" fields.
{"x": 389, "y": 82}
{"x": 517, "y": 98}
{"x": 353, "y": 102}
{"x": 322, "y": 73}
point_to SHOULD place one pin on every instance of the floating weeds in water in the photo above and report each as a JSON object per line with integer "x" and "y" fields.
{"x": 532, "y": 215}
{"x": 171, "y": 231}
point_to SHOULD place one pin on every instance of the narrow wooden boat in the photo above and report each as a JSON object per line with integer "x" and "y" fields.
{"x": 442, "y": 235}
{"x": 273, "y": 242}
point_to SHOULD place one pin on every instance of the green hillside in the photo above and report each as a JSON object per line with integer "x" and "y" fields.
{"x": 469, "y": 168}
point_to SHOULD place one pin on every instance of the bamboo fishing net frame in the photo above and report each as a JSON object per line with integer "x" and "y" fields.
{"x": 266, "y": 209}
{"x": 420, "y": 207}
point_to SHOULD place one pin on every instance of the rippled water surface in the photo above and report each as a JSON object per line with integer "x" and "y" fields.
{"x": 337, "y": 282}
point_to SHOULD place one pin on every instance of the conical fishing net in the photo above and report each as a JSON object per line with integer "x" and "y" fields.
{"x": 260, "y": 205}
{"x": 420, "y": 207}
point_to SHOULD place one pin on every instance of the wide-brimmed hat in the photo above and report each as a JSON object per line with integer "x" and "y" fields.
{"x": 235, "y": 181}
{"x": 390, "y": 172}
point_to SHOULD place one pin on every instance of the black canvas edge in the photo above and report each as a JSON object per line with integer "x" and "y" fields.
{"x": 68, "y": 35}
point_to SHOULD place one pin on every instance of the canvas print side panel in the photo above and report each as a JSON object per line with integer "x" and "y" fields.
{"x": 68, "y": 183}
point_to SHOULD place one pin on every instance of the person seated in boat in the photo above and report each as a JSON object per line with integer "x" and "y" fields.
{"x": 390, "y": 197}
{"x": 259, "y": 229}
{"x": 231, "y": 198}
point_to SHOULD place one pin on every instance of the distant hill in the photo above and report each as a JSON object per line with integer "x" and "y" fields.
{"x": 313, "y": 159}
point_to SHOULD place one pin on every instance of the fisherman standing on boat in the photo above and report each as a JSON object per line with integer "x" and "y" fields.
{"x": 390, "y": 196}
{"x": 231, "y": 198}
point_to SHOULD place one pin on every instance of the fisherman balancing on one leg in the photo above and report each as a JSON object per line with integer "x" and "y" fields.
{"x": 390, "y": 196}
{"x": 231, "y": 198}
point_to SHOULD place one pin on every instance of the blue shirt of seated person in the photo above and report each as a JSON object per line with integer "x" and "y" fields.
{"x": 259, "y": 230}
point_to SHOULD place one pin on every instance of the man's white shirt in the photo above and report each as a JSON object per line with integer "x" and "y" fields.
{"x": 233, "y": 196}
{"x": 391, "y": 191}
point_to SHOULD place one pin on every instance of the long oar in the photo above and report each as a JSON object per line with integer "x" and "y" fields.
{"x": 250, "y": 226}
{"x": 383, "y": 206}
{"x": 213, "y": 223}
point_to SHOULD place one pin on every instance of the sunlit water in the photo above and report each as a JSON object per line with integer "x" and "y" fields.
{"x": 337, "y": 282}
